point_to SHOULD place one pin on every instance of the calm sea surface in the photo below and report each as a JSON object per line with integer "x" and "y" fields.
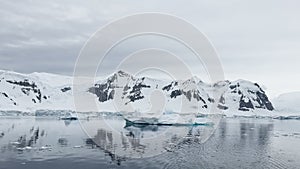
{"x": 30, "y": 142}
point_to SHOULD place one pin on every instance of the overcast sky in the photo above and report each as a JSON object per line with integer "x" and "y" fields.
{"x": 256, "y": 40}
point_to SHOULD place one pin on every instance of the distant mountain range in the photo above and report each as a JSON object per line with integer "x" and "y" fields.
{"x": 124, "y": 92}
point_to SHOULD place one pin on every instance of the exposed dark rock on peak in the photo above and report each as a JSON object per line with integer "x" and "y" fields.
{"x": 7, "y": 97}
{"x": 123, "y": 74}
{"x": 221, "y": 83}
{"x": 170, "y": 86}
{"x": 136, "y": 90}
{"x": 245, "y": 104}
{"x": 65, "y": 89}
{"x": 263, "y": 101}
{"x": 4, "y": 94}
{"x": 249, "y": 96}
{"x": 175, "y": 93}
{"x": 24, "y": 83}
{"x": 27, "y": 88}
{"x": 102, "y": 91}
{"x": 237, "y": 95}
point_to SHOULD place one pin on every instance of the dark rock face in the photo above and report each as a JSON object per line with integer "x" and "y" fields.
{"x": 65, "y": 89}
{"x": 250, "y": 96}
{"x": 245, "y": 105}
{"x": 28, "y": 87}
{"x": 189, "y": 94}
{"x": 102, "y": 92}
{"x": 195, "y": 94}
{"x": 222, "y": 100}
{"x": 24, "y": 83}
{"x": 221, "y": 103}
{"x": 211, "y": 100}
{"x": 264, "y": 101}
{"x": 106, "y": 91}
{"x": 170, "y": 86}
{"x": 111, "y": 95}
{"x": 247, "y": 95}
{"x": 6, "y": 95}
{"x": 175, "y": 93}
{"x": 136, "y": 90}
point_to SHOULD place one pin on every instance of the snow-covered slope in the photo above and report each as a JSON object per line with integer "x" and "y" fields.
{"x": 249, "y": 96}
{"x": 122, "y": 92}
{"x": 288, "y": 102}
{"x": 34, "y": 91}
{"x": 184, "y": 96}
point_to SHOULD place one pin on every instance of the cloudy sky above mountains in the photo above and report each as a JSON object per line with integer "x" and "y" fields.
{"x": 256, "y": 40}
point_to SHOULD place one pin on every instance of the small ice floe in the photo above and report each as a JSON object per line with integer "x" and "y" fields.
{"x": 20, "y": 149}
{"x": 28, "y": 148}
{"x": 46, "y": 147}
{"x": 24, "y": 148}
{"x": 15, "y": 143}
{"x": 78, "y": 146}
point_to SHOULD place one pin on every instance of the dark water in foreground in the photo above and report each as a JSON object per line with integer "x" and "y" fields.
{"x": 30, "y": 142}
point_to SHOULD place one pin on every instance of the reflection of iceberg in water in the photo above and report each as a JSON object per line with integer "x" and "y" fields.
{"x": 143, "y": 141}
{"x": 67, "y": 122}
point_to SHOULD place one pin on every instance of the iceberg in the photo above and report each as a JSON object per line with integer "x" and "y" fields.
{"x": 170, "y": 119}
{"x": 69, "y": 116}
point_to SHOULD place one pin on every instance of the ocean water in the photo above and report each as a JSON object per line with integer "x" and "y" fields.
{"x": 106, "y": 142}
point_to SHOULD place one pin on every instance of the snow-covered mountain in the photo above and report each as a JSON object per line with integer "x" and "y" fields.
{"x": 248, "y": 95}
{"x": 124, "y": 92}
{"x": 29, "y": 92}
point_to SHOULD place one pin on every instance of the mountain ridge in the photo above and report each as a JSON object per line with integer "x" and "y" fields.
{"x": 30, "y": 92}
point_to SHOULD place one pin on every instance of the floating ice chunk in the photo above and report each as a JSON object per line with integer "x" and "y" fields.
{"x": 15, "y": 143}
{"x": 79, "y": 146}
{"x": 46, "y": 147}
{"x": 28, "y": 148}
{"x": 169, "y": 119}
{"x": 20, "y": 149}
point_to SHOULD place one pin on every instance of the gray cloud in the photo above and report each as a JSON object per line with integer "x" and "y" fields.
{"x": 256, "y": 40}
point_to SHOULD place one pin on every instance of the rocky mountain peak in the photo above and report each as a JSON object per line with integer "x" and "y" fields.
{"x": 21, "y": 91}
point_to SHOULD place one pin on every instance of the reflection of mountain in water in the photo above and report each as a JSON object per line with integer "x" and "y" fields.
{"x": 24, "y": 142}
{"x": 63, "y": 141}
{"x": 134, "y": 137}
{"x": 237, "y": 142}
{"x": 104, "y": 141}
{"x": 240, "y": 136}
{"x": 143, "y": 141}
